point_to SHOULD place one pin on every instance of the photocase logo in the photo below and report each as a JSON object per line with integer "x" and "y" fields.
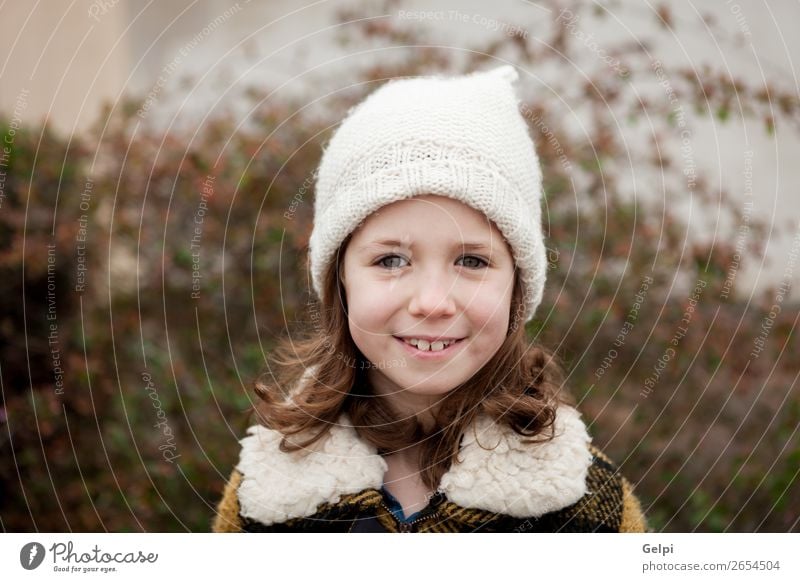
{"x": 31, "y": 555}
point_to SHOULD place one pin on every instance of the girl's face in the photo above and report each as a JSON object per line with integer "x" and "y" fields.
{"x": 427, "y": 267}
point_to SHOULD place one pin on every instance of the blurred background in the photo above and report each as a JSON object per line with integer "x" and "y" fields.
{"x": 156, "y": 192}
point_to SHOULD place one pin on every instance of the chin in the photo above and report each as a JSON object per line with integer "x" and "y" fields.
{"x": 432, "y": 387}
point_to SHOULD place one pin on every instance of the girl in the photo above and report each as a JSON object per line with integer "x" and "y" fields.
{"x": 417, "y": 403}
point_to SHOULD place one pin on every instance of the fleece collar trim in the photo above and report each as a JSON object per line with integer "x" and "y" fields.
{"x": 497, "y": 472}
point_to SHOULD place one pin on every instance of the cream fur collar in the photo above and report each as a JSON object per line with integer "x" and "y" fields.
{"x": 514, "y": 479}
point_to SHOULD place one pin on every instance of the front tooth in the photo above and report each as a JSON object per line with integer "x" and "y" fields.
{"x": 426, "y": 345}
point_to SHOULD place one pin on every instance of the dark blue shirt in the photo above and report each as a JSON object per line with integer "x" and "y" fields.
{"x": 394, "y": 505}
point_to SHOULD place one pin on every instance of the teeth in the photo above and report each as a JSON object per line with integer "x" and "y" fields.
{"x": 425, "y": 345}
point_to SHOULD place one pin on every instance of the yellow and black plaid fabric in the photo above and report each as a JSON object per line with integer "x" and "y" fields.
{"x": 608, "y": 506}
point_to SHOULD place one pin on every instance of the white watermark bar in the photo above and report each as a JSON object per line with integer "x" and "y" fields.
{"x": 159, "y": 556}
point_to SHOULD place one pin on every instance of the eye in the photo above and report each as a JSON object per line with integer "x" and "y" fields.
{"x": 475, "y": 262}
{"x": 474, "y": 258}
{"x": 382, "y": 262}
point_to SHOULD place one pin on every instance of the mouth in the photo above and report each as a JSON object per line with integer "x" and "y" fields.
{"x": 430, "y": 350}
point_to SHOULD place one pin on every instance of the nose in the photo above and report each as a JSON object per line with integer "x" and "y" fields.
{"x": 432, "y": 296}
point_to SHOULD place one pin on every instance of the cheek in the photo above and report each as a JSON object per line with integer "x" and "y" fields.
{"x": 490, "y": 306}
{"x": 491, "y": 330}
{"x": 366, "y": 310}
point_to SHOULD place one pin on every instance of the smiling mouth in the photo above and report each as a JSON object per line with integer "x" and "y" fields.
{"x": 430, "y": 347}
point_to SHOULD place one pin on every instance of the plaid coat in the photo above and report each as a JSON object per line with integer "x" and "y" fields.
{"x": 499, "y": 484}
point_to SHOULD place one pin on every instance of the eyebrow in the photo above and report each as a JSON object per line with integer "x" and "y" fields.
{"x": 472, "y": 246}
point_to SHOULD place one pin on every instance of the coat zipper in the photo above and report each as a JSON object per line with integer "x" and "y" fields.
{"x": 408, "y": 526}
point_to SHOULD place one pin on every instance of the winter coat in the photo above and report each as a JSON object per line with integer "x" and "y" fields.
{"x": 500, "y": 485}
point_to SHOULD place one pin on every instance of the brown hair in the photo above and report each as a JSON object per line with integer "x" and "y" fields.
{"x": 519, "y": 386}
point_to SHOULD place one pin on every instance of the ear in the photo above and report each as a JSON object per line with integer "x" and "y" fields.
{"x": 341, "y": 258}
{"x": 341, "y": 271}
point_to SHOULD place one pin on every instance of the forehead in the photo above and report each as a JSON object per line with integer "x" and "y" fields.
{"x": 431, "y": 218}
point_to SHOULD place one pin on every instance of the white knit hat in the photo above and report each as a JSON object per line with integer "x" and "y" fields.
{"x": 461, "y": 137}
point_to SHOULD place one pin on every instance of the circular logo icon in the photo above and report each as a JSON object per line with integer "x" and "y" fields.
{"x": 31, "y": 555}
